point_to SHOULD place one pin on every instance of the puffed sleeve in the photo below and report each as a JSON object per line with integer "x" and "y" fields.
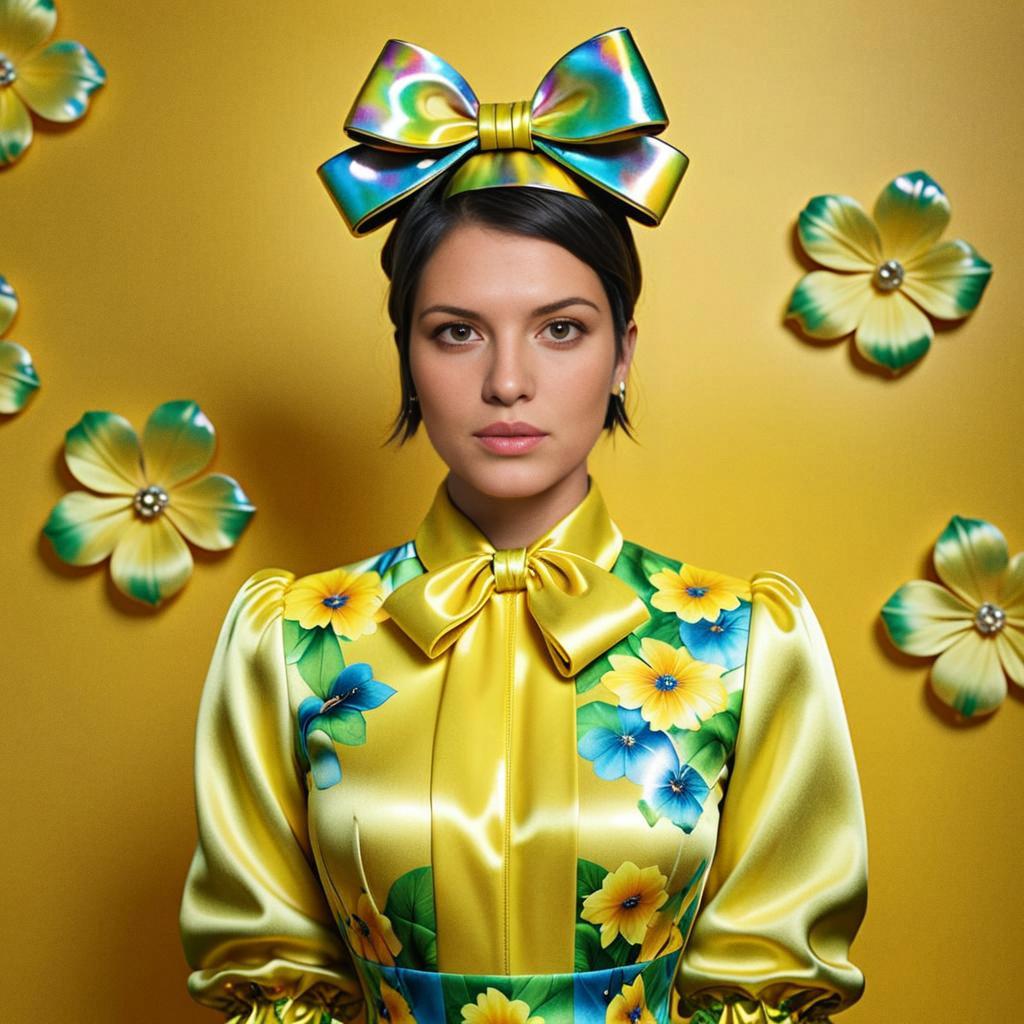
{"x": 787, "y": 888}
{"x": 256, "y": 928}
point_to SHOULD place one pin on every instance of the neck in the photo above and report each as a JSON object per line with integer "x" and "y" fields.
{"x": 518, "y": 522}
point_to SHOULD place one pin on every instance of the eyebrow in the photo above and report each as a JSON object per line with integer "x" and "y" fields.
{"x": 550, "y": 307}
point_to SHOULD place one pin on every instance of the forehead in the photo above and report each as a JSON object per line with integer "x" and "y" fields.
{"x": 477, "y": 265}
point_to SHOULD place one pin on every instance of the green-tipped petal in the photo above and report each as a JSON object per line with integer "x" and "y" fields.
{"x": 8, "y": 304}
{"x": 1011, "y": 589}
{"x": 102, "y": 451}
{"x": 56, "y": 82}
{"x": 18, "y": 378}
{"x": 829, "y": 305}
{"x": 15, "y": 126}
{"x": 970, "y": 557}
{"x": 177, "y": 442}
{"x": 24, "y": 25}
{"x": 923, "y": 618}
{"x": 893, "y": 332}
{"x": 948, "y": 279}
{"x": 84, "y": 528}
{"x": 969, "y": 676}
{"x": 151, "y": 561}
{"x": 211, "y": 512}
{"x": 836, "y": 232}
{"x": 911, "y": 212}
{"x": 1010, "y": 647}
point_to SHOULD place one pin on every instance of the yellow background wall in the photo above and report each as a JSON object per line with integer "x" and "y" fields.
{"x": 177, "y": 244}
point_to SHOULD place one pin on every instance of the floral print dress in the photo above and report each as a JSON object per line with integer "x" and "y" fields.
{"x": 575, "y": 782}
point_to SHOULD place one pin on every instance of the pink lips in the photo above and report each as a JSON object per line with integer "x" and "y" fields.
{"x": 510, "y": 438}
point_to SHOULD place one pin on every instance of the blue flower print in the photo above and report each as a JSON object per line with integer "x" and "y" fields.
{"x": 621, "y": 742}
{"x": 677, "y": 793}
{"x": 722, "y": 640}
{"x": 353, "y": 691}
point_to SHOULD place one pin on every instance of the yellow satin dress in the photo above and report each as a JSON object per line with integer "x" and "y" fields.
{"x": 575, "y": 783}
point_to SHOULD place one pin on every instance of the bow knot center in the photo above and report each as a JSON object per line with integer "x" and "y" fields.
{"x": 504, "y": 125}
{"x": 510, "y": 572}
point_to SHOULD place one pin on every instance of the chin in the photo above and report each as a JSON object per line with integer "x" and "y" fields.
{"x": 511, "y": 476}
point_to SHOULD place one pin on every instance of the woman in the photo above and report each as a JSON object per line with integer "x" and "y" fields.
{"x": 518, "y": 768}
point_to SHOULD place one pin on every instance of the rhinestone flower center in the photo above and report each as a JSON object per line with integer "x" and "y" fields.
{"x": 150, "y": 501}
{"x": 889, "y": 275}
{"x": 7, "y": 72}
{"x": 989, "y": 618}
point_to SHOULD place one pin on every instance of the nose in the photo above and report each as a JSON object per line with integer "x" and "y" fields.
{"x": 509, "y": 377}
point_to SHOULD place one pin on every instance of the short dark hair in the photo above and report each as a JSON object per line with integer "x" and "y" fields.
{"x": 591, "y": 229}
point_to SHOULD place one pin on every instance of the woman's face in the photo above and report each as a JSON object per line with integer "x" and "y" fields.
{"x": 512, "y": 330}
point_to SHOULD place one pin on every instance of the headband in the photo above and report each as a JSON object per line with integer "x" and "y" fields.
{"x": 592, "y": 120}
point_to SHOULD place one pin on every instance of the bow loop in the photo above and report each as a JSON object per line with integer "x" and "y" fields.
{"x": 593, "y": 118}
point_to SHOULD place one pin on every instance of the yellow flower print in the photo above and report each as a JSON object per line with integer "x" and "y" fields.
{"x": 695, "y": 594}
{"x": 371, "y": 934}
{"x": 494, "y": 1007}
{"x": 396, "y": 1009}
{"x": 630, "y": 1005}
{"x": 668, "y": 686}
{"x": 663, "y": 936}
{"x": 346, "y": 601}
{"x": 627, "y": 900}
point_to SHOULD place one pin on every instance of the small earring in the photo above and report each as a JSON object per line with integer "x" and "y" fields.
{"x": 622, "y": 391}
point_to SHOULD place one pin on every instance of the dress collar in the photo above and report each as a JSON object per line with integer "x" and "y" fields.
{"x": 447, "y": 534}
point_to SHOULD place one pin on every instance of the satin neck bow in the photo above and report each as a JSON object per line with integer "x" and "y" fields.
{"x": 593, "y": 115}
{"x": 581, "y": 608}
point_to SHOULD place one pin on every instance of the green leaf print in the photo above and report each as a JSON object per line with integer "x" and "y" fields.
{"x": 551, "y": 999}
{"x": 410, "y": 909}
{"x": 346, "y": 725}
{"x": 321, "y": 661}
{"x": 596, "y": 714}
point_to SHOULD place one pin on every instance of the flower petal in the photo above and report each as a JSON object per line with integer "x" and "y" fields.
{"x": 923, "y": 618}
{"x": 837, "y": 233}
{"x": 151, "y": 561}
{"x": 84, "y": 528}
{"x": 970, "y": 557}
{"x": 829, "y": 305}
{"x": 8, "y": 304}
{"x": 15, "y": 126}
{"x": 56, "y": 82}
{"x": 1010, "y": 645}
{"x": 969, "y": 677}
{"x": 102, "y": 451}
{"x": 911, "y": 212}
{"x": 211, "y": 512}
{"x": 1011, "y": 590}
{"x": 893, "y": 332}
{"x": 24, "y": 25}
{"x": 948, "y": 279}
{"x": 177, "y": 442}
{"x": 18, "y": 377}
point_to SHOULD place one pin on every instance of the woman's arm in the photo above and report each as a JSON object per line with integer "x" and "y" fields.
{"x": 787, "y": 889}
{"x": 255, "y": 925}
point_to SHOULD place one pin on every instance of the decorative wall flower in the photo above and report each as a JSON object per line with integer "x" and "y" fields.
{"x": 667, "y": 685}
{"x": 18, "y": 378}
{"x": 494, "y": 1007}
{"x": 628, "y": 899}
{"x": 340, "y": 717}
{"x": 630, "y": 1005}
{"x": 145, "y": 510}
{"x": 53, "y": 81}
{"x": 974, "y": 622}
{"x": 885, "y": 273}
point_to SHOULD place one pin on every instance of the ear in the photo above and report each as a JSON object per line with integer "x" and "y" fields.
{"x": 624, "y": 362}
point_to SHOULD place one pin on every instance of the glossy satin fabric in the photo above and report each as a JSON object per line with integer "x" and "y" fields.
{"x": 778, "y": 871}
{"x": 593, "y": 117}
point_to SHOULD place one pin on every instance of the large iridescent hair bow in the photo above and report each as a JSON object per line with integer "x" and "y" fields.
{"x": 591, "y": 120}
